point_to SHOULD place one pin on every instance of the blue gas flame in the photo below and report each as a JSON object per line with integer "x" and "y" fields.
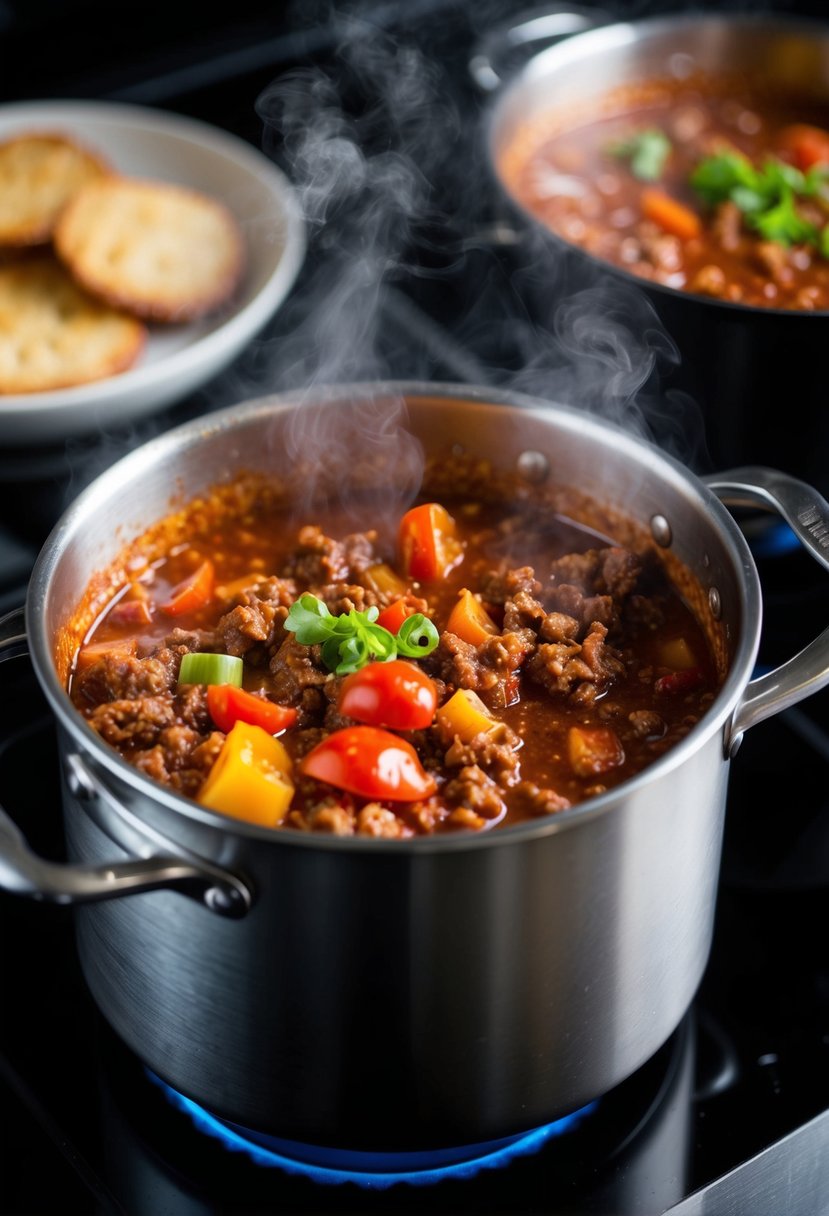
{"x": 373, "y": 1171}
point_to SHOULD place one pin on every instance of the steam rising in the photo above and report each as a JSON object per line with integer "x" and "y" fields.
{"x": 396, "y": 188}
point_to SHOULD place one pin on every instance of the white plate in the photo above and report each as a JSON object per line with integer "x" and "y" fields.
{"x": 143, "y": 142}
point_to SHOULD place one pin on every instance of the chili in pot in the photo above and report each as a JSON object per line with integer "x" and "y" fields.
{"x": 478, "y": 661}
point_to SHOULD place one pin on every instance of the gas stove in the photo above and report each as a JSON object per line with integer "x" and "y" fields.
{"x": 732, "y": 1114}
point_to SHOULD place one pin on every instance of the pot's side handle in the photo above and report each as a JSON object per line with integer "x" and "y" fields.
{"x": 23, "y": 872}
{"x": 548, "y": 24}
{"x": 13, "y": 640}
{"x": 807, "y": 514}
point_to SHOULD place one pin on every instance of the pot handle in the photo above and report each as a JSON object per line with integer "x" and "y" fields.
{"x": 25, "y": 873}
{"x": 13, "y": 640}
{"x": 807, "y": 514}
{"x": 550, "y": 23}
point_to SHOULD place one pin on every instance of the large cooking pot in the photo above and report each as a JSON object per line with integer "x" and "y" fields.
{"x": 755, "y": 373}
{"x": 432, "y": 991}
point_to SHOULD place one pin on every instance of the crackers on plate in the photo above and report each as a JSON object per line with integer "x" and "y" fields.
{"x": 39, "y": 174}
{"x": 54, "y": 335}
{"x": 118, "y": 252}
{"x": 159, "y": 251}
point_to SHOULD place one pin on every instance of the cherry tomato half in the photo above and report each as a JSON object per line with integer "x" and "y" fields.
{"x": 395, "y": 694}
{"x": 229, "y": 705}
{"x": 371, "y": 763}
{"x": 428, "y": 542}
{"x": 808, "y": 145}
{"x": 193, "y": 593}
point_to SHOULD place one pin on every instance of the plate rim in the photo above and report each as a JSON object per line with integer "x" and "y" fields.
{"x": 244, "y": 321}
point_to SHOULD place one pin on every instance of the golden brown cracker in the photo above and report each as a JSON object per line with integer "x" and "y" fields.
{"x": 54, "y": 335}
{"x": 162, "y": 252}
{"x": 39, "y": 174}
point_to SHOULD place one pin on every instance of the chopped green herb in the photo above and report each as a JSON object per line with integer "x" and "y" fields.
{"x": 646, "y": 152}
{"x": 783, "y": 224}
{"x": 352, "y": 639}
{"x": 767, "y": 197}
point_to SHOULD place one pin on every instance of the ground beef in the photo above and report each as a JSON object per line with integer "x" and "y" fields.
{"x": 475, "y": 791}
{"x": 318, "y": 560}
{"x": 258, "y": 619}
{"x": 523, "y": 611}
{"x": 540, "y": 801}
{"x": 611, "y": 571}
{"x": 727, "y": 225}
{"x": 191, "y": 707}
{"x": 133, "y": 723}
{"x": 497, "y": 586}
{"x": 376, "y": 820}
{"x": 578, "y": 669}
{"x": 348, "y": 597}
{"x": 188, "y": 640}
{"x": 495, "y": 750}
{"x": 121, "y": 676}
{"x": 294, "y": 668}
{"x": 331, "y": 817}
{"x": 647, "y": 724}
{"x": 460, "y": 665}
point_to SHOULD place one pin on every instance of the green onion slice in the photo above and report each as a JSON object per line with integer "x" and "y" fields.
{"x": 211, "y": 669}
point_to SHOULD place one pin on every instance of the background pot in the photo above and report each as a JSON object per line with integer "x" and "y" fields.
{"x": 756, "y": 373}
{"x": 406, "y": 994}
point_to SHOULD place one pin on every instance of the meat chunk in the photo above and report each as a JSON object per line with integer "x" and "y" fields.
{"x": 376, "y": 820}
{"x": 536, "y": 801}
{"x": 578, "y": 669}
{"x": 496, "y": 751}
{"x": 121, "y": 676}
{"x": 348, "y": 597}
{"x": 258, "y": 618}
{"x": 133, "y": 723}
{"x": 319, "y": 560}
{"x": 294, "y": 668}
{"x": 476, "y": 792}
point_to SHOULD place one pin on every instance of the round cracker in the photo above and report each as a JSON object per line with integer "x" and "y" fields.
{"x": 53, "y": 335}
{"x": 162, "y": 252}
{"x": 39, "y": 174}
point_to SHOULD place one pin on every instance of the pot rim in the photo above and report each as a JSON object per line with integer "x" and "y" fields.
{"x": 609, "y": 38}
{"x": 196, "y": 430}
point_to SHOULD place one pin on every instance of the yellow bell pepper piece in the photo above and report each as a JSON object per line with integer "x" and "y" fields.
{"x": 251, "y": 778}
{"x": 464, "y": 715}
{"x": 385, "y": 581}
{"x": 677, "y": 654}
{"x": 470, "y": 621}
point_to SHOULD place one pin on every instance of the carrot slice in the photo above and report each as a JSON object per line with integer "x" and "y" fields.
{"x": 670, "y": 215}
{"x": 193, "y": 593}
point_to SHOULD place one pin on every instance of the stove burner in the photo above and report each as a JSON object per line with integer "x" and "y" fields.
{"x": 770, "y": 538}
{"x": 373, "y": 1171}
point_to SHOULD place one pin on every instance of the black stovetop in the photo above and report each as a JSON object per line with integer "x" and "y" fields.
{"x": 747, "y": 1075}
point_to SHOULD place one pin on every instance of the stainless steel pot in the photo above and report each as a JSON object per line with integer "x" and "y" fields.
{"x": 420, "y": 993}
{"x": 740, "y": 364}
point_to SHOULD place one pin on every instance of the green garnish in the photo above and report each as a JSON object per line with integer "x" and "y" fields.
{"x": 417, "y": 636}
{"x": 646, "y": 152}
{"x": 767, "y": 196}
{"x": 352, "y": 639}
{"x": 211, "y": 669}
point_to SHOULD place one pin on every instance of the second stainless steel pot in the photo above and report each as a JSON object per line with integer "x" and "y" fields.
{"x": 756, "y": 373}
{"x": 421, "y": 993}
